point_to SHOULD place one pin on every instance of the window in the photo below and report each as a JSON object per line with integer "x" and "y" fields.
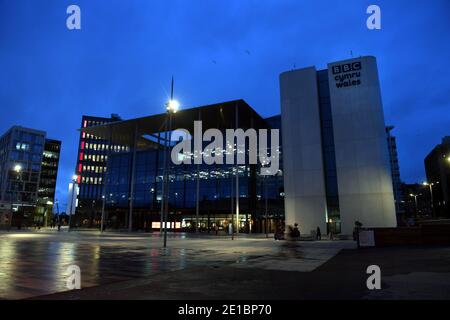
{"x": 36, "y": 158}
{"x": 26, "y": 137}
{"x": 22, "y": 146}
{"x": 14, "y": 155}
{"x": 37, "y": 148}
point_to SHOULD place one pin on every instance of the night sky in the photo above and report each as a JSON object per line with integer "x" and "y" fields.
{"x": 124, "y": 56}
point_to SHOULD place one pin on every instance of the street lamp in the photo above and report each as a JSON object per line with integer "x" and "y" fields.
{"x": 172, "y": 107}
{"x": 415, "y": 202}
{"x": 49, "y": 206}
{"x": 430, "y": 185}
{"x": 74, "y": 183}
{"x": 18, "y": 169}
{"x": 57, "y": 210}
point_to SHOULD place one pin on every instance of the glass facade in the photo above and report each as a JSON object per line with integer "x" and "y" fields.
{"x": 328, "y": 151}
{"x": 132, "y": 179}
{"x": 21, "y": 161}
{"x": 21, "y": 165}
{"x": 47, "y": 181}
{"x": 216, "y": 189}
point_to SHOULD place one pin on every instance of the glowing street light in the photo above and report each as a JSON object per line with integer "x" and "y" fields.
{"x": 74, "y": 183}
{"x": 18, "y": 169}
{"x": 415, "y": 202}
{"x": 430, "y": 185}
{"x": 172, "y": 106}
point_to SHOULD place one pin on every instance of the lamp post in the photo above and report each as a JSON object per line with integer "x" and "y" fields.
{"x": 415, "y": 203}
{"x": 18, "y": 171}
{"x": 266, "y": 207}
{"x": 49, "y": 207}
{"x": 430, "y": 185}
{"x": 73, "y": 204}
{"x": 172, "y": 107}
{"x": 57, "y": 209}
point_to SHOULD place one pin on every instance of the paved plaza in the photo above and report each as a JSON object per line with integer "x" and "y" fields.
{"x": 35, "y": 263}
{"x": 135, "y": 266}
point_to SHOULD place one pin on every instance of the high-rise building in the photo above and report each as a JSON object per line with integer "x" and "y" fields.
{"x": 437, "y": 167}
{"x": 91, "y": 166}
{"x": 23, "y": 184}
{"x": 335, "y": 153}
{"x": 395, "y": 172}
{"x": 47, "y": 180}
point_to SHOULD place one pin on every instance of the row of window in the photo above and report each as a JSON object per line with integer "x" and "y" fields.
{"x": 91, "y": 180}
{"x": 95, "y": 169}
{"x": 95, "y": 157}
{"x": 25, "y": 156}
{"x": 104, "y": 147}
{"x": 51, "y": 155}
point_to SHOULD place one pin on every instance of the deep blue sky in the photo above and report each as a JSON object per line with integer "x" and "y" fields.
{"x": 122, "y": 60}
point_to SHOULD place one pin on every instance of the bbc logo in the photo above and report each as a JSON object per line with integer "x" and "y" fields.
{"x": 342, "y": 68}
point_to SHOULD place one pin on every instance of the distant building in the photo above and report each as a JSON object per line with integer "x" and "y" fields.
{"x": 335, "y": 153}
{"x": 416, "y": 202}
{"x": 23, "y": 183}
{"x": 437, "y": 167}
{"x": 91, "y": 167}
{"x": 47, "y": 181}
{"x": 395, "y": 172}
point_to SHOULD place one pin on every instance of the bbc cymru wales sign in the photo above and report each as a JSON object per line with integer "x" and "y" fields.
{"x": 347, "y": 75}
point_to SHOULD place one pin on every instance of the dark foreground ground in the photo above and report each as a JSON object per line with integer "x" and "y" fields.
{"x": 406, "y": 273}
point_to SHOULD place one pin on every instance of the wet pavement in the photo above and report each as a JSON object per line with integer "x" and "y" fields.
{"x": 415, "y": 272}
{"x": 35, "y": 263}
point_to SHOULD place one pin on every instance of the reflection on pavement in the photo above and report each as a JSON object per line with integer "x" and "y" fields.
{"x": 35, "y": 263}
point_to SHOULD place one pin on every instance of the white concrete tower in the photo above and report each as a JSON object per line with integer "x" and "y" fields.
{"x": 342, "y": 108}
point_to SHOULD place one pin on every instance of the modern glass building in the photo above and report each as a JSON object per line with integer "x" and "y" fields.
{"x": 199, "y": 195}
{"x": 47, "y": 181}
{"x": 27, "y": 176}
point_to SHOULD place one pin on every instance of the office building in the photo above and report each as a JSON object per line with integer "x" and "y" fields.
{"x": 199, "y": 195}
{"x": 91, "y": 167}
{"x": 335, "y": 153}
{"x": 24, "y": 153}
{"x": 437, "y": 167}
{"x": 47, "y": 181}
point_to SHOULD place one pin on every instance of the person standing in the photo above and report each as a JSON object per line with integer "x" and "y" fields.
{"x": 318, "y": 234}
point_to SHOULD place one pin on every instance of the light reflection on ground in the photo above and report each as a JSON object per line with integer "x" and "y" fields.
{"x": 35, "y": 263}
